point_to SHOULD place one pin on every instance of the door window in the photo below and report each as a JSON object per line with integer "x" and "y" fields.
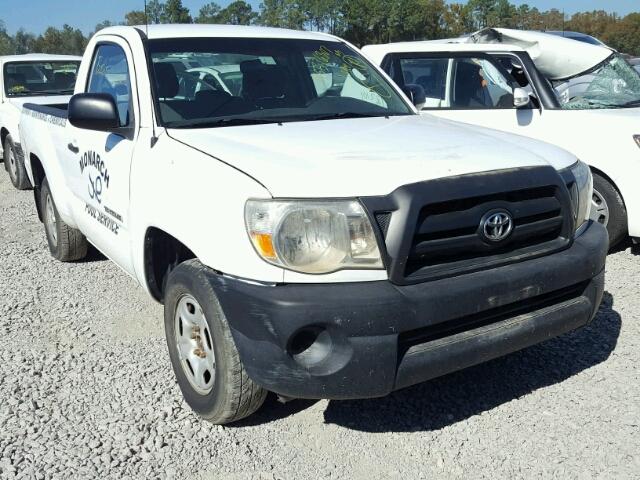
{"x": 110, "y": 74}
{"x": 458, "y": 83}
{"x": 430, "y": 74}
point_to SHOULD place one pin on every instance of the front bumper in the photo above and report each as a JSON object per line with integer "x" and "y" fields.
{"x": 358, "y": 340}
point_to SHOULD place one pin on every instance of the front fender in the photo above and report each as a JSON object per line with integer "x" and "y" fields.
{"x": 198, "y": 200}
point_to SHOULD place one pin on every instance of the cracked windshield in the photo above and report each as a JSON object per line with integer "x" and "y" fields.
{"x": 614, "y": 84}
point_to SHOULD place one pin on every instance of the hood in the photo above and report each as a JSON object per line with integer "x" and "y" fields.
{"x": 18, "y": 102}
{"x": 616, "y": 122}
{"x": 364, "y": 157}
{"x": 558, "y": 58}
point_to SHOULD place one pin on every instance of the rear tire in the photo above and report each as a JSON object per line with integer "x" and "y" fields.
{"x": 608, "y": 208}
{"x": 65, "y": 243}
{"x": 203, "y": 354}
{"x": 15, "y": 166}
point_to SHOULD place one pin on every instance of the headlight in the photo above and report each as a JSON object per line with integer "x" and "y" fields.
{"x": 582, "y": 192}
{"x": 313, "y": 236}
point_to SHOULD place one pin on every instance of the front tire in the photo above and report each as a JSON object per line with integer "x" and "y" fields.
{"x": 203, "y": 354}
{"x": 65, "y": 243}
{"x": 15, "y": 166}
{"x": 608, "y": 208}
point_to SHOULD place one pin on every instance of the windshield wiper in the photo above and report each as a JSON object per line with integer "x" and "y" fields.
{"x": 633, "y": 103}
{"x": 222, "y": 122}
{"x": 341, "y": 115}
{"x": 53, "y": 92}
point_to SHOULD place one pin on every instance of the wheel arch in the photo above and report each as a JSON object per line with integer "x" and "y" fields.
{"x": 4, "y": 132}
{"x": 37, "y": 170}
{"x": 610, "y": 180}
{"x": 38, "y": 173}
{"x": 162, "y": 253}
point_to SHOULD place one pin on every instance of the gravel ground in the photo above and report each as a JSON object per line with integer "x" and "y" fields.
{"x": 86, "y": 390}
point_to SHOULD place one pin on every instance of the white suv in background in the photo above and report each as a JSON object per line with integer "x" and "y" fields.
{"x": 584, "y": 98}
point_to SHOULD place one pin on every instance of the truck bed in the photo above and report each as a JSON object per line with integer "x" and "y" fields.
{"x": 56, "y": 110}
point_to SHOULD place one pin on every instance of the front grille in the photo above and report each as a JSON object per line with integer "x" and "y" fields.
{"x": 383, "y": 219}
{"x": 448, "y": 233}
{"x": 433, "y": 229}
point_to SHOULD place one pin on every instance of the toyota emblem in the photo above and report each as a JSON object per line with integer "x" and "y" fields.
{"x": 496, "y": 225}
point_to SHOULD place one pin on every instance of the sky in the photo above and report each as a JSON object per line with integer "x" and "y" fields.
{"x": 35, "y": 15}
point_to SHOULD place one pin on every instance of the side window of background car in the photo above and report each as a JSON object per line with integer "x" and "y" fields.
{"x": 110, "y": 74}
{"x": 430, "y": 74}
{"x": 479, "y": 84}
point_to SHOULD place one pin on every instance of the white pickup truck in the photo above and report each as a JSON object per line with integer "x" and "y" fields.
{"x": 584, "y": 98}
{"x": 307, "y": 231}
{"x": 33, "y": 78}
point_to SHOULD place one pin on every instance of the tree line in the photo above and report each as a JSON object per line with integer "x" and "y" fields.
{"x": 359, "y": 21}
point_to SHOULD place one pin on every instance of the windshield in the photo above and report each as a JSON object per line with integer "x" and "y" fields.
{"x": 585, "y": 39}
{"x": 614, "y": 84}
{"x": 39, "y": 78}
{"x": 207, "y": 82}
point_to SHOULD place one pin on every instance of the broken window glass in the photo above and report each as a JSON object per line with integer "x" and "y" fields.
{"x": 615, "y": 84}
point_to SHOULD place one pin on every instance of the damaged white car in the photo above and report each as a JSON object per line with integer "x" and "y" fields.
{"x": 584, "y": 98}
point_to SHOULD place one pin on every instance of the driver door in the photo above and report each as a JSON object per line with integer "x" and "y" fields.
{"x": 466, "y": 87}
{"x": 101, "y": 161}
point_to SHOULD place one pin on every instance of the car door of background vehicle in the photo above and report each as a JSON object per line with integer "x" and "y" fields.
{"x": 470, "y": 87}
{"x": 101, "y": 161}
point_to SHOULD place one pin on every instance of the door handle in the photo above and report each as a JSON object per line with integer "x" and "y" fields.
{"x": 73, "y": 147}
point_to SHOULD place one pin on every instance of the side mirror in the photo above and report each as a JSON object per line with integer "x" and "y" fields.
{"x": 94, "y": 111}
{"x": 521, "y": 98}
{"x": 416, "y": 95}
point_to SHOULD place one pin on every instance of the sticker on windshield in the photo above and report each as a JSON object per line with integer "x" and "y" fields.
{"x": 349, "y": 65}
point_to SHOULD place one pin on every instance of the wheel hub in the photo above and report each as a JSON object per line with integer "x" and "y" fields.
{"x": 50, "y": 218}
{"x": 599, "y": 209}
{"x": 194, "y": 345}
{"x": 12, "y": 163}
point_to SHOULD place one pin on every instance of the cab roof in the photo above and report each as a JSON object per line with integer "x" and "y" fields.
{"x": 38, "y": 57}
{"x": 558, "y": 58}
{"x": 155, "y": 32}
{"x": 378, "y": 52}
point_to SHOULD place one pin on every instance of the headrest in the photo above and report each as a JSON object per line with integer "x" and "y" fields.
{"x": 263, "y": 81}
{"x": 64, "y": 79}
{"x": 166, "y": 80}
{"x": 469, "y": 71}
{"x": 468, "y": 78}
{"x": 408, "y": 77}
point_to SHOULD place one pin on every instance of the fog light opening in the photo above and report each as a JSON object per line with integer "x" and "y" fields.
{"x": 310, "y": 346}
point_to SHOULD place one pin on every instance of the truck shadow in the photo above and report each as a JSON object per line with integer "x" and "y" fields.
{"x": 93, "y": 255}
{"x": 456, "y": 397}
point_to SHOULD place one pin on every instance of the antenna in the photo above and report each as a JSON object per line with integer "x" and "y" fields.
{"x": 146, "y": 18}
{"x": 154, "y": 138}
